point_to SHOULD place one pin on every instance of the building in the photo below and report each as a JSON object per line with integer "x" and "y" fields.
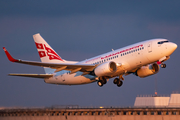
{"x": 158, "y": 101}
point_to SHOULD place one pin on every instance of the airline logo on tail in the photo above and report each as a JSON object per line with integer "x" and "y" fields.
{"x": 49, "y": 52}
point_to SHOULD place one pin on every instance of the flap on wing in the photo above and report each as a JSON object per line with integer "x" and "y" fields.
{"x": 33, "y": 75}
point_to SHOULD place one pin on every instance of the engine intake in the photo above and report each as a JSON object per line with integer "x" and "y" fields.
{"x": 148, "y": 70}
{"x": 105, "y": 69}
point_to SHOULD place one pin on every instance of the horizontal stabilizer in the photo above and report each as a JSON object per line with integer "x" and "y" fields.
{"x": 33, "y": 75}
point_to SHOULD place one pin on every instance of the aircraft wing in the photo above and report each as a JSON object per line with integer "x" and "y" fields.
{"x": 58, "y": 66}
{"x": 33, "y": 75}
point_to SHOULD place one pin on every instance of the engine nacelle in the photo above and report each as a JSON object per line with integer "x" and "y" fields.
{"x": 105, "y": 69}
{"x": 148, "y": 70}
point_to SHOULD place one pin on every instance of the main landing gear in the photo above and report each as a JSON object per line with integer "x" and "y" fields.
{"x": 118, "y": 82}
{"x": 101, "y": 82}
{"x": 163, "y": 65}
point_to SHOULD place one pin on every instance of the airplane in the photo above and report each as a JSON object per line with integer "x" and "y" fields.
{"x": 141, "y": 59}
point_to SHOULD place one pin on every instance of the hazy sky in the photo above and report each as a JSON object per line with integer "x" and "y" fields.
{"x": 80, "y": 29}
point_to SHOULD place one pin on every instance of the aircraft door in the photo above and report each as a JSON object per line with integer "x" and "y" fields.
{"x": 149, "y": 47}
{"x": 137, "y": 57}
{"x": 151, "y": 54}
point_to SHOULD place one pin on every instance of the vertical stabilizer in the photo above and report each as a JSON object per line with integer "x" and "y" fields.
{"x": 46, "y": 53}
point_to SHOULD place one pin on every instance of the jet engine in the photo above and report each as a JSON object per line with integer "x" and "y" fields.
{"x": 148, "y": 70}
{"x": 105, "y": 69}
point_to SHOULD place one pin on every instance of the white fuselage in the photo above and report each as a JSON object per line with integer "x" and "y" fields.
{"x": 127, "y": 59}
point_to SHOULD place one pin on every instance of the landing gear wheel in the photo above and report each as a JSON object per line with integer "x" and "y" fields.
{"x": 119, "y": 84}
{"x": 163, "y": 65}
{"x": 100, "y": 83}
{"x": 115, "y": 80}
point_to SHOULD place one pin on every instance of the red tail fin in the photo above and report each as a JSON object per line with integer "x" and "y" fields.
{"x": 46, "y": 53}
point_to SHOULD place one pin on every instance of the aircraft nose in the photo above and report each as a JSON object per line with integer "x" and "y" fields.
{"x": 173, "y": 46}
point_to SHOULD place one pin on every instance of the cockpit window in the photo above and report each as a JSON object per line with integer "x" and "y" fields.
{"x": 161, "y": 42}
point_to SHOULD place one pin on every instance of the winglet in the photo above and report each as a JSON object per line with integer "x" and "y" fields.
{"x": 9, "y": 56}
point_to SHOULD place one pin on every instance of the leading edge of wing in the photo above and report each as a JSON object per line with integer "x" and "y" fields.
{"x": 84, "y": 67}
{"x": 32, "y": 75}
